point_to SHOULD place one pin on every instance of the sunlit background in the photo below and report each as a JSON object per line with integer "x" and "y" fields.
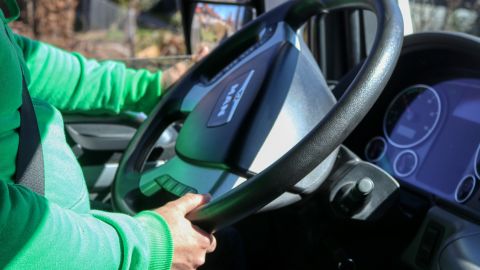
{"x": 152, "y": 29}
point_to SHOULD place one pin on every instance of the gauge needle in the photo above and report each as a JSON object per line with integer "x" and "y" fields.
{"x": 408, "y": 111}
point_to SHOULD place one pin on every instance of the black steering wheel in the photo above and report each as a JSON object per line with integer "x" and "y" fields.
{"x": 235, "y": 104}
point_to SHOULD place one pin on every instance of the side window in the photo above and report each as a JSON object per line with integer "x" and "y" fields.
{"x": 445, "y": 15}
{"x": 340, "y": 40}
{"x": 108, "y": 29}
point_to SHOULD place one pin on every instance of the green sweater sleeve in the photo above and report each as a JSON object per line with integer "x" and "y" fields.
{"x": 37, "y": 234}
{"x": 73, "y": 83}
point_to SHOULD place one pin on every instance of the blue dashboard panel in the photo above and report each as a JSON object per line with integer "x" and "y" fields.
{"x": 434, "y": 148}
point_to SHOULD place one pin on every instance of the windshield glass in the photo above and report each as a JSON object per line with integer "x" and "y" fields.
{"x": 441, "y": 15}
{"x": 127, "y": 30}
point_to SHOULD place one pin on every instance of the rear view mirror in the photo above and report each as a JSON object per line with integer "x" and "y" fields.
{"x": 213, "y": 23}
{"x": 209, "y": 22}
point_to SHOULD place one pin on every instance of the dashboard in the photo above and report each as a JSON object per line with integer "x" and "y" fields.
{"x": 425, "y": 128}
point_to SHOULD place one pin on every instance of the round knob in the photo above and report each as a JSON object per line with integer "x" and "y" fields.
{"x": 352, "y": 197}
{"x": 364, "y": 187}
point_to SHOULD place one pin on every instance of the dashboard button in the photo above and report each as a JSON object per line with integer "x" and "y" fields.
{"x": 430, "y": 241}
{"x": 405, "y": 163}
{"x": 173, "y": 186}
{"x": 465, "y": 189}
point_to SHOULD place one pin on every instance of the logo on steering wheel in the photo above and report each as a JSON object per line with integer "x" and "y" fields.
{"x": 228, "y": 102}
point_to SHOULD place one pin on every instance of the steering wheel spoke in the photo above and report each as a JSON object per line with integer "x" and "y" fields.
{"x": 178, "y": 177}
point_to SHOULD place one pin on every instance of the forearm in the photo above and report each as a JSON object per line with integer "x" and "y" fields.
{"x": 71, "y": 82}
{"x": 37, "y": 234}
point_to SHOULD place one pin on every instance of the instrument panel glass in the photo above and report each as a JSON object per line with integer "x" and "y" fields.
{"x": 432, "y": 135}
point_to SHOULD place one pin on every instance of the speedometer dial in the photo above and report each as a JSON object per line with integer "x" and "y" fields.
{"x": 412, "y": 116}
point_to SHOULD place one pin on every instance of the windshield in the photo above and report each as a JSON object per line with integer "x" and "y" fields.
{"x": 142, "y": 33}
{"x": 441, "y": 15}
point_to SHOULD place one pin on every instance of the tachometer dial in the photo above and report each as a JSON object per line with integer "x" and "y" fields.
{"x": 412, "y": 116}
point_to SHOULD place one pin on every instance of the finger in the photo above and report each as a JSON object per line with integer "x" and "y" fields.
{"x": 204, "y": 239}
{"x": 181, "y": 67}
{"x": 191, "y": 201}
{"x": 213, "y": 244}
{"x": 199, "y": 261}
{"x": 202, "y": 52}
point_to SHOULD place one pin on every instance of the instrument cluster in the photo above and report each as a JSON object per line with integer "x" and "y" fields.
{"x": 430, "y": 139}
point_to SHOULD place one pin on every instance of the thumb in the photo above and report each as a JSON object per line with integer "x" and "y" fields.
{"x": 191, "y": 201}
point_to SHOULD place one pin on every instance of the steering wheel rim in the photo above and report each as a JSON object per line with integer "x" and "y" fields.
{"x": 267, "y": 185}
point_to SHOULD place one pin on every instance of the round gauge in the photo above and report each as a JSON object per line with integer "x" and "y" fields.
{"x": 405, "y": 163}
{"x": 477, "y": 162}
{"x": 412, "y": 116}
{"x": 465, "y": 189}
{"x": 375, "y": 149}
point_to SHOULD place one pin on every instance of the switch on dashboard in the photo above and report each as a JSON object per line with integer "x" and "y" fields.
{"x": 430, "y": 241}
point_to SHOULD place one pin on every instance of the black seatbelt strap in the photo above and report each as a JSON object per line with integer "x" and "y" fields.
{"x": 30, "y": 171}
{"x": 29, "y": 163}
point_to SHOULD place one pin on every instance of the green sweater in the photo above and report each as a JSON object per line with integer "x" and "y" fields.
{"x": 59, "y": 230}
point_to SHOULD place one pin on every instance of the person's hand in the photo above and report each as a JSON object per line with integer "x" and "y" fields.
{"x": 190, "y": 242}
{"x": 201, "y": 52}
{"x": 173, "y": 73}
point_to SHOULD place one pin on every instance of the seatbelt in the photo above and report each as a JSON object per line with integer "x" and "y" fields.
{"x": 30, "y": 171}
{"x": 29, "y": 163}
